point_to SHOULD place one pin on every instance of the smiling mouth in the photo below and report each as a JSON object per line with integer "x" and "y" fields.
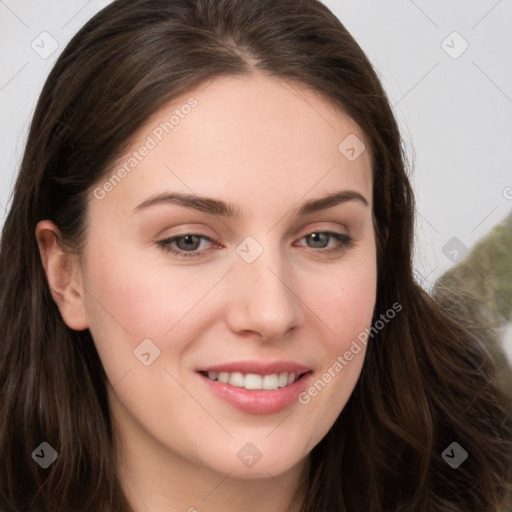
{"x": 253, "y": 381}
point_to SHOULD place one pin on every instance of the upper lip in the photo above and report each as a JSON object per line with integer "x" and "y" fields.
{"x": 258, "y": 367}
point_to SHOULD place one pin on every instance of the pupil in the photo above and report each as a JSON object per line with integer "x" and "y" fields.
{"x": 188, "y": 241}
{"x": 316, "y": 236}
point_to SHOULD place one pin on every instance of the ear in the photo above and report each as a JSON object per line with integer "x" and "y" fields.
{"x": 63, "y": 274}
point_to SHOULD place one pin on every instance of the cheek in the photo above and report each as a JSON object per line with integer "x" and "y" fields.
{"x": 346, "y": 307}
{"x": 120, "y": 296}
{"x": 346, "y": 300}
{"x": 129, "y": 298}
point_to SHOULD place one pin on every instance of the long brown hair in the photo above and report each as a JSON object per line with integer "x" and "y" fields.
{"x": 427, "y": 380}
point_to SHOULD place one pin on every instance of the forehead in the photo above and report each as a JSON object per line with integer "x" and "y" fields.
{"x": 246, "y": 137}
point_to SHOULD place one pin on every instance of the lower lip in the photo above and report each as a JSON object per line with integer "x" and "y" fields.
{"x": 258, "y": 401}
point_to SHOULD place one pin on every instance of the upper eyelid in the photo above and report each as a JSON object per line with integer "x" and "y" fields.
{"x": 199, "y": 232}
{"x": 172, "y": 238}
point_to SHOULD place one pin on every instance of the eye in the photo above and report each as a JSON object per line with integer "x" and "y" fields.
{"x": 187, "y": 245}
{"x": 320, "y": 237}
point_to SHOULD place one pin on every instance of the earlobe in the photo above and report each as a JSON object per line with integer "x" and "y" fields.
{"x": 63, "y": 276}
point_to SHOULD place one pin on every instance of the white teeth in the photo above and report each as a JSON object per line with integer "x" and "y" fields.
{"x": 270, "y": 382}
{"x": 223, "y": 377}
{"x": 253, "y": 380}
{"x": 236, "y": 379}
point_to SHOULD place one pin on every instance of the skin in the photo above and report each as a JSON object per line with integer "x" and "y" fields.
{"x": 266, "y": 146}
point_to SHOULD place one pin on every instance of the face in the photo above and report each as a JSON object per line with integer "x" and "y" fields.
{"x": 268, "y": 289}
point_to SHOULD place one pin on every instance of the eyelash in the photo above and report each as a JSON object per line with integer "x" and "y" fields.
{"x": 346, "y": 242}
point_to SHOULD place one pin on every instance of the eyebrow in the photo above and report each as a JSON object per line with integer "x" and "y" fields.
{"x": 218, "y": 207}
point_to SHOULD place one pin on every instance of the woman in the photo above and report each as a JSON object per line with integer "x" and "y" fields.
{"x": 174, "y": 339}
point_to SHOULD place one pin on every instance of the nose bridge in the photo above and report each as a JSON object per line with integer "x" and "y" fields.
{"x": 265, "y": 300}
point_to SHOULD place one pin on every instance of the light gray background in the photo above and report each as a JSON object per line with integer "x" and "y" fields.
{"x": 455, "y": 113}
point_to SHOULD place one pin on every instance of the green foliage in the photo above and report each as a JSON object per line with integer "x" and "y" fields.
{"x": 486, "y": 273}
{"x": 479, "y": 291}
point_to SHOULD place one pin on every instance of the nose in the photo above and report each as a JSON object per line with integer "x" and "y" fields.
{"x": 264, "y": 297}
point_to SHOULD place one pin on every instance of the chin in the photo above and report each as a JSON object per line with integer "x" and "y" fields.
{"x": 243, "y": 468}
